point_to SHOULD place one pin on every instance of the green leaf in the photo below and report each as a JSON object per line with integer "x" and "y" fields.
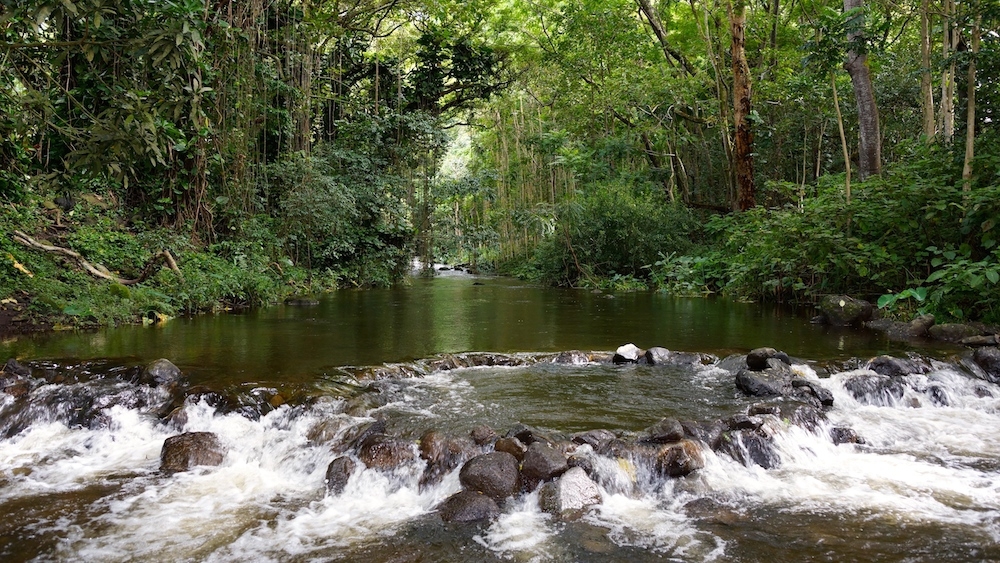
{"x": 886, "y": 300}
{"x": 993, "y": 276}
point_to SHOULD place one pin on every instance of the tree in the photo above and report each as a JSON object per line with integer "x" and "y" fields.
{"x": 869, "y": 133}
{"x": 743, "y": 150}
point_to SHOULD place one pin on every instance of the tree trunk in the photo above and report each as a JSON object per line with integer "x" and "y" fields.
{"x": 661, "y": 35}
{"x": 870, "y": 136}
{"x": 743, "y": 151}
{"x": 970, "y": 119}
{"x": 949, "y": 45}
{"x": 926, "y": 88}
{"x": 843, "y": 140}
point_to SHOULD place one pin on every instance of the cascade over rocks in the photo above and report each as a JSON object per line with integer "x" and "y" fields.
{"x": 12, "y": 367}
{"x": 568, "y": 496}
{"x": 989, "y": 360}
{"x": 188, "y": 450}
{"x": 443, "y": 454}
{"x": 874, "y": 389}
{"x": 897, "y": 367}
{"x": 494, "y": 474}
{"x": 468, "y": 506}
{"x": 843, "y": 310}
{"x": 679, "y": 459}
{"x": 338, "y": 473}
{"x": 379, "y": 451}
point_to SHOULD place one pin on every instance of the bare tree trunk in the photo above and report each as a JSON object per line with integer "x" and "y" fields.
{"x": 870, "y": 136}
{"x": 949, "y": 46}
{"x": 843, "y": 140}
{"x": 661, "y": 35}
{"x": 926, "y": 88}
{"x": 970, "y": 119}
{"x": 743, "y": 152}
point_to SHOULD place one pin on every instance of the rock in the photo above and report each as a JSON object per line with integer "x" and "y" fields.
{"x": 572, "y": 357}
{"x": 842, "y": 310}
{"x": 184, "y": 451}
{"x": 442, "y": 454}
{"x": 744, "y": 422}
{"x": 817, "y": 391}
{"x": 161, "y": 373}
{"x": 528, "y": 435}
{"x": 573, "y": 492}
{"x": 483, "y": 435}
{"x": 896, "y": 367}
{"x": 807, "y": 417}
{"x": 468, "y": 506}
{"x": 979, "y": 341}
{"x": 841, "y": 435}
{"x": 627, "y": 354}
{"x": 920, "y": 325}
{"x": 513, "y": 446}
{"x": 760, "y": 408}
{"x": 12, "y": 367}
{"x": 952, "y": 332}
{"x": 767, "y": 383}
{"x": 707, "y": 432}
{"x": 542, "y": 463}
{"x": 751, "y": 447}
{"x": 989, "y": 360}
{"x": 657, "y": 355}
{"x": 758, "y": 357}
{"x": 679, "y": 459}
{"x": 382, "y": 452}
{"x": 593, "y": 438}
{"x": 666, "y": 431}
{"x": 874, "y": 389}
{"x": 338, "y": 473}
{"x": 494, "y": 474}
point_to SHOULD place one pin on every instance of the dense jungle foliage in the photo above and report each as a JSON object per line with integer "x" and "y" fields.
{"x": 767, "y": 150}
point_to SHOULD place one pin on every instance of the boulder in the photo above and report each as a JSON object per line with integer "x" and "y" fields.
{"x": 572, "y": 357}
{"x": 494, "y": 474}
{"x": 542, "y": 463}
{"x": 980, "y": 341}
{"x": 874, "y": 389}
{"x": 161, "y": 373}
{"x": 572, "y": 493}
{"x": 758, "y": 357}
{"x": 468, "y": 506}
{"x": 184, "y": 451}
{"x": 627, "y": 354}
{"x": 807, "y": 417}
{"x": 766, "y": 383}
{"x": 989, "y": 360}
{"x": 751, "y": 447}
{"x": 513, "y": 446}
{"x": 920, "y": 325}
{"x": 841, "y": 435}
{"x": 679, "y": 459}
{"x": 762, "y": 408}
{"x": 338, "y": 473}
{"x": 952, "y": 332}
{"x": 896, "y": 367}
{"x": 811, "y": 390}
{"x": 443, "y": 454}
{"x": 708, "y": 432}
{"x": 528, "y": 435}
{"x": 843, "y": 310}
{"x": 657, "y": 355}
{"x": 482, "y": 435}
{"x": 12, "y": 367}
{"x": 666, "y": 431}
{"x": 593, "y": 438}
{"x": 383, "y": 452}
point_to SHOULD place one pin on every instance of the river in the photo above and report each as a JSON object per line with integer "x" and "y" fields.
{"x": 923, "y": 486}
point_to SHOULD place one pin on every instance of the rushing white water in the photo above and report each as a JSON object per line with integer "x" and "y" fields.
{"x": 930, "y": 460}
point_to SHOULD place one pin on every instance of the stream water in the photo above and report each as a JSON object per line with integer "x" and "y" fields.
{"x": 80, "y": 453}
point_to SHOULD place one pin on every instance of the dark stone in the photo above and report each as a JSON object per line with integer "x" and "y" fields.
{"x": 483, "y": 435}
{"x": 952, "y": 332}
{"x": 989, "y": 360}
{"x": 574, "y": 492}
{"x": 383, "y": 452}
{"x": 572, "y": 357}
{"x": 874, "y": 389}
{"x": 666, "y": 431}
{"x": 161, "y": 373}
{"x": 184, "y": 451}
{"x": 528, "y": 435}
{"x": 759, "y": 409}
{"x": 443, "y": 454}
{"x": 817, "y": 391}
{"x": 581, "y": 461}
{"x": 494, "y": 474}
{"x": 896, "y": 367}
{"x": 920, "y": 325}
{"x": 356, "y": 436}
{"x": 593, "y": 438}
{"x": 758, "y": 357}
{"x": 513, "y": 446}
{"x": 338, "y": 473}
{"x": 627, "y": 354}
{"x": 468, "y": 506}
{"x": 744, "y": 422}
{"x": 843, "y": 310}
{"x": 12, "y": 367}
{"x": 679, "y": 459}
{"x": 712, "y": 433}
{"x": 759, "y": 450}
{"x": 767, "y": 383}
{"x": 807, "y": 417}
{"x": 542, "y": 463}
{"x": 658, "y": 355}
{"x": 841, "y": 435}
{"x": 979, "y": 341}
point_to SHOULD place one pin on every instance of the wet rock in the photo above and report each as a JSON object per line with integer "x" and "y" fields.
{"x": 843, "y": 310}
{"x": 989, "y": 360}
{"x": 482, "y": 435}
{"x": 807, "y": 417}
{"x": 744, "y": 422}
{"x": 494, "y": 474}
{"x": 952, "y": 332}
{"x": 383, "y": 452}
{"x": 584, "y": 462}
{"x": 443, "y": 454}
{"x": 572, "y": 493}
{"x": 842, "y": 435}
{"x": 354, "y": 437}
{"x": 161, "y": 373}
{"x": 542, "y": 463}
{"x": 658, "y": 355}
{"x": 679, "y": 459}
{"x": 338, "y": 473}
{"x": 572, "y": 357}
{"x": 771, "y": 382}
{"x": 512, "y": 446}
{"x": 15, "y": 387}
{"x": 184, "y": 451}
{"x": 920, "y": 325}
{"x": 752, "y": 448}
{"x": 979, "y": 341}
{"x": 593, "y": 438}
{"x": 12, "y": 367}
{"x": 812, "y": 390}
{"x": 627, "y": 354}
{"x": 896, "y": 367}
{"x": 666, "y": 431}
{"x": 528, "y": 435}
{"x": 710, "y": 433}
{"x": 468, "y": 506}
{"x": 874, "y": 389}
{"x": 760, "y": 408}
{"x": 757, "y": 359}
{"x": 938, "y": 395}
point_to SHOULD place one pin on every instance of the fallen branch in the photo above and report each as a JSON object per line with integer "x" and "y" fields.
{"x": 98, "y": 270}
